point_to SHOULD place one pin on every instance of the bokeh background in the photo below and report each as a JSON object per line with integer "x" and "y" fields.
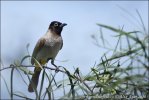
{"x": 24, "y": 22}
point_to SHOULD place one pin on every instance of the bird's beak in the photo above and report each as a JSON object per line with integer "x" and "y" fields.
{"x": 63, "y": 24}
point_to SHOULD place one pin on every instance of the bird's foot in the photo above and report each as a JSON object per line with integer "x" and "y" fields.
{"x": 57, "y": 69}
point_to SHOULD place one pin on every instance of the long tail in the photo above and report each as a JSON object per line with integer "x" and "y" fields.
{"x": 34, "y": 80}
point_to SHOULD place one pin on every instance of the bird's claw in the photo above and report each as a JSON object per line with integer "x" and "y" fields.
{"x": 57, "y": 69}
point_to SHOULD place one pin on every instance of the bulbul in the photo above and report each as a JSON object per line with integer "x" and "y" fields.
{"x": 46, "y": 49}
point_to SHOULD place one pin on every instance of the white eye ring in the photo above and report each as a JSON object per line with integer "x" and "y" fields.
{"x": 55, "y": 24}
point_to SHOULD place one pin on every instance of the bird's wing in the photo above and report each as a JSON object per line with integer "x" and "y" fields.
{"x": 39, "y": 45}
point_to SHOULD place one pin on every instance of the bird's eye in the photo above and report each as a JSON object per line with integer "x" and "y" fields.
{"x": 55, "y": 24}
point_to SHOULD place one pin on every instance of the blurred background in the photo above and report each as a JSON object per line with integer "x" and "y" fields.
{"x": 24, "y": 22}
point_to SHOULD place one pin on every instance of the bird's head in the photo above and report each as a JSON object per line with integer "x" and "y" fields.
{"x": 57, "y": 27}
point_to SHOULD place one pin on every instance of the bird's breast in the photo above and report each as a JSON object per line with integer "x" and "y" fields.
{"x": 51, "y": 48}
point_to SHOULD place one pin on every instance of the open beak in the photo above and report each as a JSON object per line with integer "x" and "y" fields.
{"x": 63, "y": 24}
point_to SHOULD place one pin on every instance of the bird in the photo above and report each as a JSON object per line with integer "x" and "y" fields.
{"x": 46, "y": 48}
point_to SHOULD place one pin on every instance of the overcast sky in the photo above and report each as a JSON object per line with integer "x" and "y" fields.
{"x": 24, "y": 22}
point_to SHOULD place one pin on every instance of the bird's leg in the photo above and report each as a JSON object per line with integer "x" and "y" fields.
{"x": 52, "y": 62}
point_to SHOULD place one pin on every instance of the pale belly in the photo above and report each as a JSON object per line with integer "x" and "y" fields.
{"x": 49, "y": 50}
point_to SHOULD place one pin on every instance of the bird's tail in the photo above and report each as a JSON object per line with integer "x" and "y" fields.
{"x": 34, "y": 80}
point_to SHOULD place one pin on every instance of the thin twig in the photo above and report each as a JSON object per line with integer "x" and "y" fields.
{"x": 46, "y": 67}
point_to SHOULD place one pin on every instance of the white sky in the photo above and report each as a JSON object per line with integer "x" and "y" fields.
{"x": 25, "y": 22}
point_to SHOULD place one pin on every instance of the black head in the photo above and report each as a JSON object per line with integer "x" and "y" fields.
{"x": 57, "y": 27}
